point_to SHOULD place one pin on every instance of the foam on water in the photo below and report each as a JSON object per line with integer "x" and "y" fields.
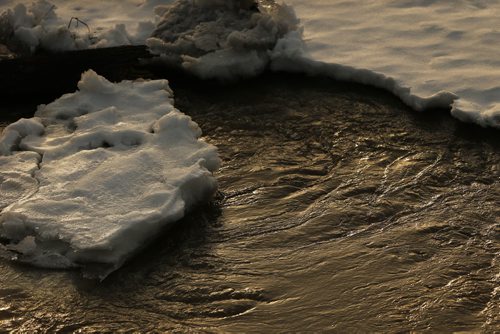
{"x": 99, "y": 172}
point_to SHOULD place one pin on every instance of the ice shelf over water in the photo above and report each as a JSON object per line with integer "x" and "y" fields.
{"x": 432, "y": 54}
{"x": 426, "y": 45}
{"x": 98, "y": 173}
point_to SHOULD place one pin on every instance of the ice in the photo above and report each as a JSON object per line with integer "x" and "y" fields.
{"x": 282, "y": 61}
{"x": 36, "y": 26}
{"x": 60, "y": 25}
{"x": 221, "y": 39}
{"x": 98, "y": 173}
{"x": 432, "y": 54}
{"x": 428, "y": 46}
{"x": 218, "y": 39}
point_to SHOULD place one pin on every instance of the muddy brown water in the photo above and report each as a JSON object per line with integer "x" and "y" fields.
{"x": 340, "y": 210}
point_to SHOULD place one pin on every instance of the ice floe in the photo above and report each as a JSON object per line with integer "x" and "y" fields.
{"x": 99, "y": 172}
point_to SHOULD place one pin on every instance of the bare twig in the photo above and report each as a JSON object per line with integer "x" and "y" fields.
{"x": 77, "y": 20}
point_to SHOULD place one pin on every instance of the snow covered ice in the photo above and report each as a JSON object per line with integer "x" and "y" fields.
{"x": 428, "y": 63}
{"x": 99, "y": 172}
{"x": 431, "y": 54}
{"x": 221, "y": 39}
{"x": 427, "y": 46}
{"x": 67, "y": 25}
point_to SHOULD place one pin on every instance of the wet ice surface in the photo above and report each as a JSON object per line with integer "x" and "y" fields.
{"x": 339, "y": 210}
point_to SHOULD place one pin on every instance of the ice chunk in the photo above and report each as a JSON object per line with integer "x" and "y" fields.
{"x": 221, "y": 38}
{"x": 218, "y": 39}
{"x": 99, "y": 172}
{"x": 38, "y": 26}
{"x": 61, "y": 25}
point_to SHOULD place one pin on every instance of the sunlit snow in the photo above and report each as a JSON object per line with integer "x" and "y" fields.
{"x": 99, "y": 172}
{"x": 435, "y": 53}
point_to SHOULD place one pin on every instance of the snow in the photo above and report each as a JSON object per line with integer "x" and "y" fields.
{"x": 432, "y": 54}
{"x": 99, "y": 172}
{"x": 53, "y": 25}
{"x": 428, "y": 46}
{"x": 220, "y": 39}
{"x": 419, "y": 51}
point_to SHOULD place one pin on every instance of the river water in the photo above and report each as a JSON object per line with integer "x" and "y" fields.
{"x": 339, "y": 210}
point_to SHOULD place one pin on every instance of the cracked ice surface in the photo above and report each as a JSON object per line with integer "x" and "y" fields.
{"x": 97, "y": 173}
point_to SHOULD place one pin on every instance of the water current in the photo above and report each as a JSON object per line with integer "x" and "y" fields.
{"x": 339, "y": 210}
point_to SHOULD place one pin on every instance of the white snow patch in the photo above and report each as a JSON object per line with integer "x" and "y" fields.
{"x": 428, "y": 46}
{"x": 60, "y": 25}
{"x": 99, "y": 172}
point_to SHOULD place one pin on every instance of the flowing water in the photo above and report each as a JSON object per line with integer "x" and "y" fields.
{"x": 340, "y": 210}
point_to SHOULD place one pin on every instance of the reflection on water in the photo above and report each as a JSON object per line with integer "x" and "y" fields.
{"x": 339, "y": 210}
